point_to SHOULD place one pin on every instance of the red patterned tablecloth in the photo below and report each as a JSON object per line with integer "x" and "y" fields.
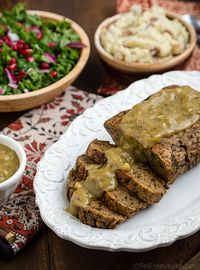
{"x": 36, "y": 131}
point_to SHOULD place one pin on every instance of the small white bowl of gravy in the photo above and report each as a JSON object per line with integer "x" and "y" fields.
{"x": 12, "y": 166}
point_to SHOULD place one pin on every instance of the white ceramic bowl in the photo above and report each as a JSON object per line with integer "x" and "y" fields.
{"x": 7, "y": 187}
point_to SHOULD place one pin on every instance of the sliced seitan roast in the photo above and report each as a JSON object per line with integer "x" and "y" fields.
{"x": 177, "y": 154}
{"x": 72, "y": 179}
{"x": 96, "y": 214}
{"x": 143, "y": 182}
{"x": 96, "y": 150}
{"x": 159, "y": 137}
{"x": 83, "y": 162}
{"x": 170, "y": 157}
{"x": 79, "y": 173}
{"x": 163, "y": 130}
{"x": 140, "y": 181}
{"x": 112, "y": 125}
{"x": 119, "y": 200}
{"x": 128, "y": 204}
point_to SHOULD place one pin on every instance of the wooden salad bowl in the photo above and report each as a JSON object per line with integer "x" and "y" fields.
{"x": 19, "y": 102}
{"x": 125, "y": 67}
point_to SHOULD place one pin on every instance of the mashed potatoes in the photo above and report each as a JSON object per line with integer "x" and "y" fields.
{"x": 145, "y": 37}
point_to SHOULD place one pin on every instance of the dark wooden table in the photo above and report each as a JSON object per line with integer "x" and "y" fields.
{"x": 47, "y": 251}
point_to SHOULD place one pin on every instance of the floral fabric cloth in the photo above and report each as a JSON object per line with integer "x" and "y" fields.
{"x": 36, "y": 131}
{"x": 114, "y": 81}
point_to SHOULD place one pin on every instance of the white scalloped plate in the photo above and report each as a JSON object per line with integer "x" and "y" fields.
{"x": 176, "y": 216}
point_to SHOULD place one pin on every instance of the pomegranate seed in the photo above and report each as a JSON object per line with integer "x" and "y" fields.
{"x": 20, "y": 44}
{"x": 44, "y": 65}
{"x": 39, "y": 35}
{"x": 21, "y": 75}
{"x": 7, "y": 39}
{"x": 30, "y": 59}
{"x": 26, "y": 52}
{"x": 12, "y": 66}
{"x": 22, "y": 72}
{"x": 1, "y": 42}
{"x": 20, "y": 47}
{"x": 53, "y": 73}
{"x": 52, "y": 44}
{"x": 26, "y": 46}
{"x": 12, "y": 61}
{"x": 14, "y": 47}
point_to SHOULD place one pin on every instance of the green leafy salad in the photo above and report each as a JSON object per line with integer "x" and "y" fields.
{"x": 34, "y": 52}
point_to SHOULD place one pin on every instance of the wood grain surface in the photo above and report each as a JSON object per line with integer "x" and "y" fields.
{"x": 47, "y": 251}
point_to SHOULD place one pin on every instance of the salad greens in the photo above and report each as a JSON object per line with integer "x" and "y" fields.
{"x": 34, "y": 52}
